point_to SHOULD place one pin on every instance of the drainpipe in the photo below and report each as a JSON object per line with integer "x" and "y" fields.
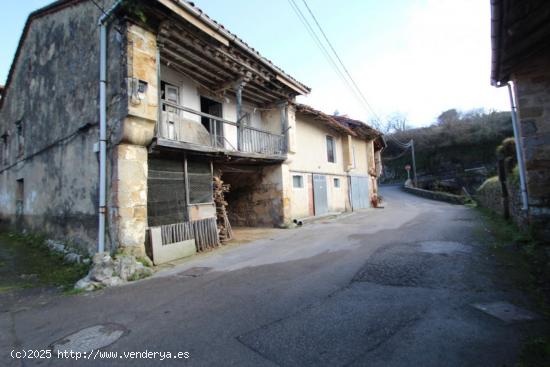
{"x": 519, "y": 149}
{"x": 102, "y": 24}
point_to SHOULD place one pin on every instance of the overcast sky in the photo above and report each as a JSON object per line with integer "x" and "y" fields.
{"x": 415, "y": 57}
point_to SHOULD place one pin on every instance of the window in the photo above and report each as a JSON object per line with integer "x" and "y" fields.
{"x": 4, "y": 152}
{"x": 199, "y": 179}
{"x": 20, "y": 138}
{"x": 297, "y": 181}
{"x": 337, "y": 182}
{"x": 19, "y": 196}
{"x": 170, "y": 92}
{"x": 331, "y": 149}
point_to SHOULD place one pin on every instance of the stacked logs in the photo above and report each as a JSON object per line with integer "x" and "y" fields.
{"x": 224, "y": 227}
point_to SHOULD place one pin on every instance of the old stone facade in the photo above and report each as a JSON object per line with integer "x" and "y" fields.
{"x": 532, "y": 87}
{"x": 49, "y": 124}
{"x": 171, "y": 125}
{"x": 521, "y": 56}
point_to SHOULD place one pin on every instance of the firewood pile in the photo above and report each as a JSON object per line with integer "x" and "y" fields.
{"x": 224, "y": 227}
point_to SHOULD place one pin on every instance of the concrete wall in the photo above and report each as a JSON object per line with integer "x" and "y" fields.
{"x": 308, "y": 155}
{"x": 53, "y": 92}
{"x": 310, "y": 151}
{"x": 532, "y": 83}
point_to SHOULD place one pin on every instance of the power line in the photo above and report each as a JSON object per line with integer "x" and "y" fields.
{"x": 356, "y": 88}
{"x": 340, "y": 60}
{"x": 396, "y": 157}
{"x": 323, "y": 49}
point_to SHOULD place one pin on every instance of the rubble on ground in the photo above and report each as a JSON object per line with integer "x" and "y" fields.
{"x": 107, "y": 271}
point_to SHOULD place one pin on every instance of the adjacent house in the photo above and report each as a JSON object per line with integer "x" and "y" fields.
{"x": 114, "y": 123}
{"x": 521, "y": 59}
{"x": 332, "y": 164}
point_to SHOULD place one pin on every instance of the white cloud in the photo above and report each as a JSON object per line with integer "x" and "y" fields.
{"x": 439, "y": 59}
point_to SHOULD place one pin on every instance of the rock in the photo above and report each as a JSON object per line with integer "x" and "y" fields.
{"x": 86, "y": 284}
{"x": 126, "y": 266}
{"x": 56, "y": 246}
{"x": 86, "y": 261}
{"x": 145, "y": 261}
{"x": 113, "y": 281}
{"x": 109, "y": 272}
{"x": 103, "y": 267}
{"x": 72, "y": 258}
{"x": 28, "y": 276}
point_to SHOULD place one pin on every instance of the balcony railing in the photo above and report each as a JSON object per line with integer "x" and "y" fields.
{"x": 178, "y": 123}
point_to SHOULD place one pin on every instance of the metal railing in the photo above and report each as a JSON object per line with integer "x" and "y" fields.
{"x": 174, "y": 125}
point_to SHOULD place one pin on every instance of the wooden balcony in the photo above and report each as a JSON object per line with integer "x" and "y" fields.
{"x": 185, "y": 128}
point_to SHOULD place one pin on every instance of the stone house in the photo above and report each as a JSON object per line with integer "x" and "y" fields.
{"x": 521, "y": 59}
{"x": 180, "y": 99}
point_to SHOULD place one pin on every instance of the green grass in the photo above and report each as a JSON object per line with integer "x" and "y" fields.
{"x": 525, "y": 265}
{"x": 26, "y": 262}
{"x": 535, "y": 353}
{"x": 523, "y": 257}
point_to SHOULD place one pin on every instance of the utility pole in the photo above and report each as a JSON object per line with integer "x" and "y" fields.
{"x": 414, "y": 163}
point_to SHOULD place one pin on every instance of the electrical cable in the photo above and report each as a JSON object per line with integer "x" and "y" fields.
{"x": 355, "y": 88}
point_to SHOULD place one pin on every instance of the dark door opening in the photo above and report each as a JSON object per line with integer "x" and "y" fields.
{"x": 214, "y": 127}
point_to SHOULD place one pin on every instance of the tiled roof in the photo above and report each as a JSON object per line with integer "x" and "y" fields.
{"x": 244, "y": 44}
{"x": 359, "y": 127}
{"x": 60, "y": 4}
{"x": 323, "y": 117}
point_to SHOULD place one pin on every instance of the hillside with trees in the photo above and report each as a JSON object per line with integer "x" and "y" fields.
{"x": 458, "y": 150}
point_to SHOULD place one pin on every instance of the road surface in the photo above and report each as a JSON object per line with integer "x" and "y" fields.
{"x": 384, "y": 287}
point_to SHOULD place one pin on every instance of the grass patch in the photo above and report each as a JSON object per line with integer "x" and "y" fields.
{"x": 26, "y": 262}
{"x": 535, "y": 353}
{"x": 525, "y": 264}
{"x": 524, "y": 258}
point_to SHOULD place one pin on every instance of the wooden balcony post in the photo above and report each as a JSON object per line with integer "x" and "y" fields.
{"x": 283, "y": 109}
{"x": 239, "y": 99}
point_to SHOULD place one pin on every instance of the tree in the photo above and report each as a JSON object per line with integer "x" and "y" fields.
{"x": 396, "y": 122}
{"x": 448, "y": 117}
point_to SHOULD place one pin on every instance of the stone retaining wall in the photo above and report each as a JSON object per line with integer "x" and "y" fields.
{"x": 436, "y": 195}
{"x": 489, "y": 195}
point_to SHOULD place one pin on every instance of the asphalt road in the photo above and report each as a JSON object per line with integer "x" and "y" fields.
{"x": 383, "y": 287}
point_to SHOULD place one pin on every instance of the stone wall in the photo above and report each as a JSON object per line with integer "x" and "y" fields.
{"x": 128, "y": 186}
{"x": 489, "y": 195}
{"x": 436, "y": 195}
{"x": 50, "y": 106}
{"x": 256, "y": 199}
{"x": 532, "y": 88}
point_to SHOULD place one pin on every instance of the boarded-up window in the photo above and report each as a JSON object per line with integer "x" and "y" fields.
{"x": 166, "y": 202}
{"x": 19, "y": 196}
{"x": 4, "y": 151}
{"x": 20, "y": 138}
{"x": 331, "y": 149}
{"x": 200, "y": 182}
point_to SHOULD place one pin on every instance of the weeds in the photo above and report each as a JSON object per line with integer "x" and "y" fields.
{"x": 26, "y": 262}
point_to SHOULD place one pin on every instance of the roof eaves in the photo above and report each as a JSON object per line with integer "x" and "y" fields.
{"x": 218, "y": 27}
{"x": 359, "y": 127}
{"x": 496, "y": 42}
{"x": 327, "y": 119}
